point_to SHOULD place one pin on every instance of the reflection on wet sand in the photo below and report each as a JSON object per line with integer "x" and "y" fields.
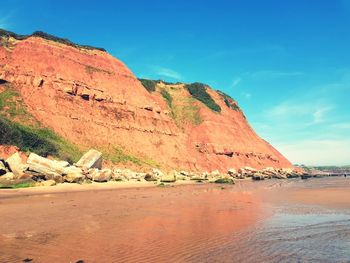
{"x": 269, "y": 221}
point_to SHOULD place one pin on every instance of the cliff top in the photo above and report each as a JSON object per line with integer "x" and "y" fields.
{"x": 47, "y": 37}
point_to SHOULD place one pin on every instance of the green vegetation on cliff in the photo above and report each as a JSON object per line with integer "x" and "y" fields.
{"x": 199, "y": 92}
{"x": 148, "y": 84}
{"x": 119, "y": 155}
{"x": 168, "y": 98}
{"x": 8, "y": 34}
{"x": 229, "y": 101}
{"x": 20, "y": 128}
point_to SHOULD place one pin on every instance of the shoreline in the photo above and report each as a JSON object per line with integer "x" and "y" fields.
{"x": 111, "y": 185}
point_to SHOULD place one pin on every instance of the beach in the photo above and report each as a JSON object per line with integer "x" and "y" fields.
{"x": 271, "y": 221}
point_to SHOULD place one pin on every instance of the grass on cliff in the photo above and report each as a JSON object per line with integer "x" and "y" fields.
{"x": 9, "y": 34}
{"x": 168, "y": 98}
{"x": 183, "y": 109}
{"x": 20, "y": 128}
{"x": 119, "y": 155}
{"x": 149, "y": 85}
{"x": 199, "y": 92}
{"x": 229, "y": 101}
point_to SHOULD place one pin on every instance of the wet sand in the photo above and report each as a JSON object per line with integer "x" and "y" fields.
{"x": 246, "y": 222}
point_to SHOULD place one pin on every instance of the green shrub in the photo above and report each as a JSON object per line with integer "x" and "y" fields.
{"x": 118, "y": 155}
{"x": 149, "y": 85}
{"x": 199, "y": 92}
{"x": 166, "y": 95}
{"x": 25, "y": 138}
{"x": 229, "y": 101}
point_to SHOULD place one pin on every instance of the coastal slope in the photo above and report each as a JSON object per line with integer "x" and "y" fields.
{"x": 87, "y": 98}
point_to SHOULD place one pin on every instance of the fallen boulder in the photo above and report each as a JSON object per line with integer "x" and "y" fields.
{"x": 42, "y": 167}
{"x": 154, "y": 175}
{"x": 169, "y": 177}
{"x": 258, "y": 177}
{"x": 73, "y": 174}
{"x": 118, "y": 175}
{"x": 151, "y": 177}
{"x": 91, "y": 159}
{"x": 7, "y": 177}
{"x": 232, "y": 172}
{"x": 247, "y": 171}
{"x": 101, "y": 175}
{"x": 15, "y": 164}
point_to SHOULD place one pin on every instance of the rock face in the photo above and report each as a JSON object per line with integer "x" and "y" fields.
{"x": 93, "y": 100}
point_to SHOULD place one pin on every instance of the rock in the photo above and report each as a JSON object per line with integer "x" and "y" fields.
{"x": 61, "y": 163}
{"x": 38, "y": 81}
{"x": 280, "y": 176}
{"x": 8, "y": 176}
{"x": 224, "y": 181}
{"x": 3, "y": 169}
{"x": 200, "y": 177}
{"x": 15, "y": 164}
{"x": 101, "y": 175}
{"x": 154, "y": 175}
{"x": 54, "y": 177}
{"x": 232, "y": 172}
{"x": 47, "y": 183}
{"x": 25, "y": 176}
{"x": 305, "y": 176}
{"x": 41, "y": 167}
{"x": 73, "y": 174}
{"x": 215, "y": 173}
{"x": 180, "y": 177}
{"x": 150, "y": 177}
{"x": 118, "y": 175}
{"x": 184, "y": 173}
{"x": 247, "y": 171}
{"x": 128, "y": 174}
{"x": 148, "y": 107}
{"x": 168, "y": 178}
{"x": 258, "y": 177}
{"x": 91, "y": 159}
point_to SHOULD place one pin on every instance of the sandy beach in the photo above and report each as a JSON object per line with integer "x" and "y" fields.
{"x": 180, "y": 223}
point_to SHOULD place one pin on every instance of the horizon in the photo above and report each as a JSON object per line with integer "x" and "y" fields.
{"x": 247, "y": 53}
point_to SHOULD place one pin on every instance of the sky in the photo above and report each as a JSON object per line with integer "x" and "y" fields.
{"x": 287, "y": 63}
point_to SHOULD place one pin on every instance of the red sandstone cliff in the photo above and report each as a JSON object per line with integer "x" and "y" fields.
{"x": 93, "y": 100}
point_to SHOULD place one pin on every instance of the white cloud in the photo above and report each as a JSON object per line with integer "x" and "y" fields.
{"x": 303, "y": 112}
{"x": 235, "y": 82}
{"x": 319, "y": 114}
{"x": 342, "y": 125}
{"x": 246, "y": 95}
{"x": 169, "y": 73}
{"x": 317, "y": 152}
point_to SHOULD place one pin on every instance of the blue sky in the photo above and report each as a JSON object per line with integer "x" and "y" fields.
{"x": 287, "y": 63}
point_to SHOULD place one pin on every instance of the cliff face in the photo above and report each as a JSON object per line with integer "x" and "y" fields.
{"x": 93, "y": 100}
